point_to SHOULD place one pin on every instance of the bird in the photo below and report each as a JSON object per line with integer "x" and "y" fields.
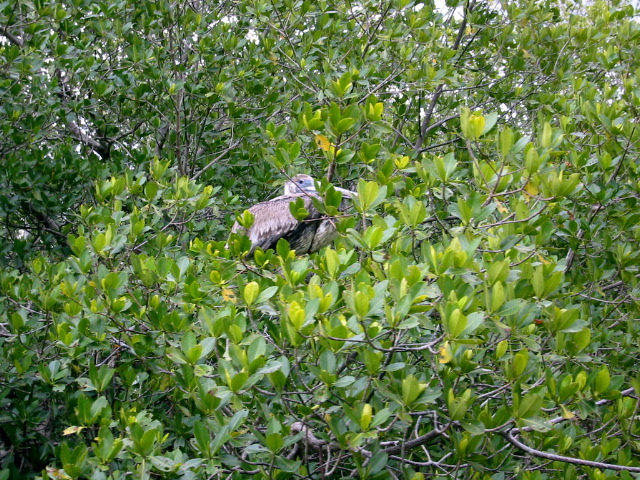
{"x": 272, "y": 220}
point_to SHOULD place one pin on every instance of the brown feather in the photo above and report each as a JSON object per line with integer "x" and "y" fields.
{"x": 273, "y": 221}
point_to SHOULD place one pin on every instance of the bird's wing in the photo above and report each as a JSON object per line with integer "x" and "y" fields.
{"x": 272, "y": 220}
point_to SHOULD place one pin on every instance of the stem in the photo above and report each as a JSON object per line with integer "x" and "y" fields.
{"x": 436, "y": 95}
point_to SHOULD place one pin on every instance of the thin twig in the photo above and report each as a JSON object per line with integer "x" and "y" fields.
{"x": 215, "y": 160}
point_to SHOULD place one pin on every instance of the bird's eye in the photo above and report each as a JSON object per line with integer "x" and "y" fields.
{"x": 300, "y": 182}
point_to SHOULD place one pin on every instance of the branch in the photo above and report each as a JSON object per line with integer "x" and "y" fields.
{"x": 427, "y": 117}
{"x": 101, "y": 149}
{"x": 163, "y": 132}
{"x": 77, "y": 132}
{"x": 309, "y": 438}
{"x": 510, "y": 435}
{"x": 441, "y": 122}
{"x": 11, "y": 37}
{"x": 429, "y": 463}
{"x": 375, "y": 29}
{"x": 599, "y": 206}
{"x": 436, "y": 95}
{"x": 50, "y": 225}
{"x": 222, "y": 154}
{"x": 416, "y": 442}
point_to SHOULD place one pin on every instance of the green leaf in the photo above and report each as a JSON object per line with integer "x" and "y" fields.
{"x": 274, "y": 442}
{"x": 378, "y": 462}
{"x": 361, "y": 304}
{"x": 344, "y": 125}
{"x": 411, "y": 389}
{"x": 456, "y": 323}
{"x": 529, "y": 406}
{"x": 370, "y": 195}
{"x": 520, "y": 361}
{"x": 473, "y": 322}
{"x": 602, "y": 381}
{"x": 506, "y": 140}
{"x": 250, "y": 293}
{"x": 298, "y": 209}
{"x": 490, "y": 121}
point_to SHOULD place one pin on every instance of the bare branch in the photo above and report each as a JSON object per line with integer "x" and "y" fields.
{"x": 436, "y": 95}
{"x": 215, "y": 160}
{"x": 77, "y": 132}
{"x": 511, "y": 437}
{"x": 11, "y": 37}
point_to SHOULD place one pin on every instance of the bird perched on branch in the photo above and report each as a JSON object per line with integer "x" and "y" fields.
{"x": 272, "y": 220}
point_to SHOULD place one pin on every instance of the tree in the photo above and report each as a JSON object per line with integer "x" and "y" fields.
{"x": 476, "y": 319}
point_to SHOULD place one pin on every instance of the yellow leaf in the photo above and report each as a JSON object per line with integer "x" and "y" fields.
{"x": 323, "y": 142}
{"x": 55, "y": 473}
{"x": 72, "y": 430}
{"x": 501, "y": 208}
{"x": 543, "y": 260}
{"x": 566, "y": 413}
{"x": 531, "y": 189}
{"x": 445, "y": 353}
{"x": 228, "y": 295}
{"x": 402, "y": 162}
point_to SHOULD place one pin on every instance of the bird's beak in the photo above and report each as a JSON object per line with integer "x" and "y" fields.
{"x": 344, "y": 191}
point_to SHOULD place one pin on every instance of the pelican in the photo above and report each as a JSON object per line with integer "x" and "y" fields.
{"x": 272, "y": 220}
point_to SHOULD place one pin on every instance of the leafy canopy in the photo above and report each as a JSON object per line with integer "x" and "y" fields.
{"x": 476, "y": 318}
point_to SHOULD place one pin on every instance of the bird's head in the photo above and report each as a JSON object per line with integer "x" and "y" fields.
{"x": 299, "y": 184}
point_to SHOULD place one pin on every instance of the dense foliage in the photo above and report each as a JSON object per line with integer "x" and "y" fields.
{"x": 477, "y": 317}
